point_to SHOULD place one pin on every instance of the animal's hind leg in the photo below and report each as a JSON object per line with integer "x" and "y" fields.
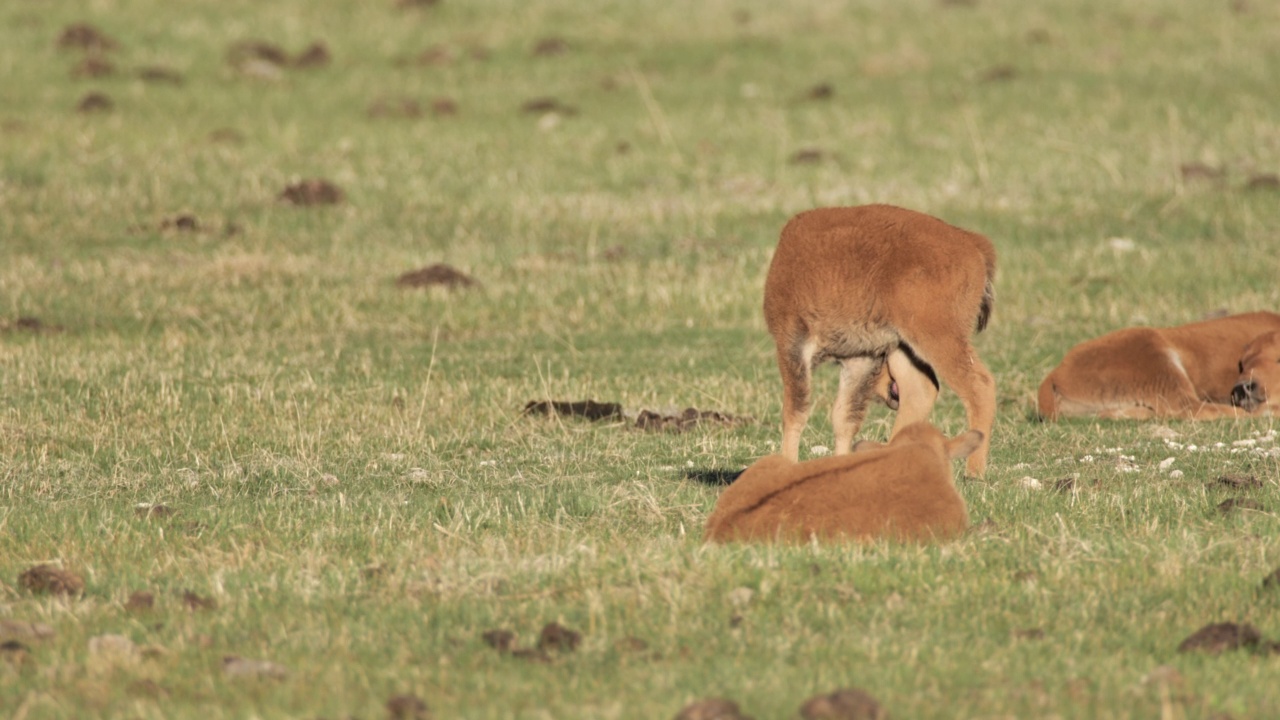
{"x": 957, "y": 365}
{"x": 795, "y": 362}
{"x": 917, "y": 390}
{"x": 857, "y": 384}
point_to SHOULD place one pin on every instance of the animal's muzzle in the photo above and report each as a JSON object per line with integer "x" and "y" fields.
{"x": 1247, "y": 395}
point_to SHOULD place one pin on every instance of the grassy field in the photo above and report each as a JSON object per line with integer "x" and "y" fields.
{"x": 224, "y": 399}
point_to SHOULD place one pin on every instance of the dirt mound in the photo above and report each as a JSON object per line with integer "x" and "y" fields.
{"x": 438, "y": 274}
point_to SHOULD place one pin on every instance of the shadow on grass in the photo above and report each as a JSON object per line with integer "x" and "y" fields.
{"x": 713, "y": 476}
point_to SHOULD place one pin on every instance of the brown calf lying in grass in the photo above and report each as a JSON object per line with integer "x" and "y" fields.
{"x": 903, "y": 491}
{"x": 875, "y": 285}
{"x": 1228, "y": 367}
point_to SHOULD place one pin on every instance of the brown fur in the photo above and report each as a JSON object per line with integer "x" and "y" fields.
{"x": 873, "y": 286}
{"x": 903, "y": 491}
{"x": 1203, "y": 370}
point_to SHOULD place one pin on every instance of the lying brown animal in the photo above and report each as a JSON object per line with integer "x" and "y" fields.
{"x": 1210, "y": 369}
{"x": 903, "y": 491}
{"x": 875, "y": 285}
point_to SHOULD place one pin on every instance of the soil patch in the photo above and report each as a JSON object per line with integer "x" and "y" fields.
{"x": 1218, "y": 638}
{"x": 313, "y": 191}
{"x": 1200, "y": 171}
{"x": 687, "y": 419}
{"x": 844, "y": 704}
{"x": 407, "y": 707}
{"x": 52, "y": 580}
{"x": 140, "y": 600}
{"x": 1230, "y": 505}
{"x": 83, "y": 36}
{"x": 589, "y": 409}
{"x": 438, "y": 274}
{"x": 711, "y": 709}
{"x": 1264, "y": 181}
{"x": 549, "y": 46}
{"x": 1237, "y": 482}
{"x": 500, "y": 640}
{"x": 160, "y": 74}
{"x": 192, "y": 601}
{"x": 95, "y": 102}
{"x": 808, "y": 156}
{"x": 93, "y": 66}
{"x": 27, "y": 323}
{"x": 558, "y": 638}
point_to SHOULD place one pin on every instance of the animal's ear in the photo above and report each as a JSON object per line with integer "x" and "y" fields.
{"x": 964, "y": 444}
{"x": 864, "y": 445}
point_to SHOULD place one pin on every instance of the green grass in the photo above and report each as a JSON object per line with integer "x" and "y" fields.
{"x": 353, "y": 482}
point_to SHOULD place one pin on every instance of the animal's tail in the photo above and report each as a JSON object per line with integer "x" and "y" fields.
{"x": 988, "y": 301}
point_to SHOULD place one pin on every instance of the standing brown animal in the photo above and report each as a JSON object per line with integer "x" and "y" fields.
{"x": 873, "y": 286}
{"x": 1227, "y": 367}
{"x": 903, "y": 491}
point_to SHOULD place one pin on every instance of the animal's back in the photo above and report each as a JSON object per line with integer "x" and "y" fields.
{"x": 860, "y": 262}
{"x": 900, "y": 492}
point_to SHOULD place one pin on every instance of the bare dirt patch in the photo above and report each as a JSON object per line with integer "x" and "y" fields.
{"x": 407, "y": 707}
{"x": 27, "y": 323}
{"x": 140, "y": 601}
{"x": 1230, "y": 505}
{"x": 93, "y": 66}
{"x": 1218, "y": 638}
{"x": 437, "y": 275}
{"x": 312, "y": 192}
{"x": 808, "y": 156}
{"x": 83, "y": 36}
{"x": 587, "y": 409}
{"x": 95, "y": 102}
{"x": 160, "y": 74}
{"x": 193, "y": 601}
{"x": 1263, "y": 181}
{"x": 558, "y": 638}
{"x": 1236, "y": 481}
{"x": 550, "y": 46}
{"x": 686, "y": 420}
{"x": 315, "y": 55}
{"x": 1200, "y": 171}
{"x": 183, "y": 222}
{"x": 821, "y": 91}
{"x": 650, "y": 420}
{"x": 843, "y": 704}
{"x": 501, "y": 640}
{"x": 51, "y": 580}
{"x": 543, "y": 105}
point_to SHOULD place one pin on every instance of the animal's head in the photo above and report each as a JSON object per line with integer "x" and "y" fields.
{"x": 1259, "y": 383}
{"x": 954, "y": 448}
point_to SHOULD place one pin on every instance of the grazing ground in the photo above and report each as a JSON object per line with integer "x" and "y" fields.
{"x": 277, "y": 281}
